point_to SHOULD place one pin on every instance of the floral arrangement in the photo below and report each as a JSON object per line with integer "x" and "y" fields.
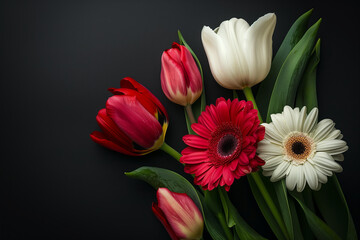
{"x": 289, "y": 158}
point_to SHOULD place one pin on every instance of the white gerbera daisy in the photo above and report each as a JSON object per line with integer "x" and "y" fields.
{"x": 300, "y": 149}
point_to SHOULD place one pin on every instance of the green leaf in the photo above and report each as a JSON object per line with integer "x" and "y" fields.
{"x": 242, "y": 229}
{"x": 293, "y": 36}
{"x": 306, "y": 95}
{"x": 160, "y": 177}
{"x": 211, "y": 222}
{"x": 318, "y": 226}
{"x": 295, "y": 220}
{"x": 281, "y": 193}
{"x": 332, "y": 205}
{"x": 265, "y": 210}
{"x": 291, "y": 72}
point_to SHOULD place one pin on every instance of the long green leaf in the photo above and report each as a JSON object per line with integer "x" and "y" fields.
{"x": 318, "y": 226}
{"x": 242, "y": 229}
{"x": 332, "y": 205}
{"x": 160, "y": 177}
{"x": 281, "y": 193}
{"x": 293, "y": 36}
{"x": 265, "y": 209}
{"x": 291, "y": 72}
{"x": 306, "y": 95}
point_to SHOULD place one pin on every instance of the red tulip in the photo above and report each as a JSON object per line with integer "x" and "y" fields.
{"x": 180, "y": 77}
{"x": 179, "y": 215}
{"x": 134, "y": 122}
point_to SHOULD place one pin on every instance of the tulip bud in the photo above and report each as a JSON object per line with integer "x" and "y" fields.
{"x": 134, "y": 122}
{"x": 179, "y": 215}
{"x": 180, "y": 77}
{"x": 240, "y": 55}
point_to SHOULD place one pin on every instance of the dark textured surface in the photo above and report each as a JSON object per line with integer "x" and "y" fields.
{"x": 57, "y": 60}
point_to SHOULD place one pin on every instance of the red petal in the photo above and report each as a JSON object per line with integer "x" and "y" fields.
{"x": 161, "y": 216}
{"x": 101, "y": 139}
{"x": 112, "y": 131}
{"x": 201, "y": 130}
{"x": 222, "y": 111}
{"x": 134, "y": 120}
{"x": 132, "y": 84}
{"x": 196, "y": 141}
{"x": 194, "y": 80}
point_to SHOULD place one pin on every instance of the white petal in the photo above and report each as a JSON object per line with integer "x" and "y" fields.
{"x": 311, "y": 120}
{"x": 289, "y": 116}
{"x": 258, "y": 47}
{"x": 301, "y": 179}
{"x": 301, "y": 120}
{"x": 280, "y": 171}
{"x": 279, "y": 123}
{"x": 272, "y": 134}
{"x": 333, "y": 147}
{"x": 311, "y": 175}
{"x": 334, "y": 134}
{"x": 338, "y": 157}
{"x": 272, "y": 163}
{"x": 267, "y": 148}
{"x": 322, "y": 177}
{"x": 220, "y": 58}
{"x": 323, "y": 129}
{"x": 325, "y": 161}
{"x": 292, "y": 177}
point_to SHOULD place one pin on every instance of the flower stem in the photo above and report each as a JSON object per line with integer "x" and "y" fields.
{"x": 190, "y": 113}
{"x": 224, "y": 225}
{"x": 169, "y": 150}
{"x": 275, "y": 212}
{"x": 250, "y": 97}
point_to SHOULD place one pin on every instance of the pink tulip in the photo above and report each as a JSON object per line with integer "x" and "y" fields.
{"x": 180, "y": 77}
{"x": 179, "y": 215}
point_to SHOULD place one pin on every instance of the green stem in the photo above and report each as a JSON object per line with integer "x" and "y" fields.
{"x": 224, "y": 225}
{"x": 190, "y": 113}
{"x": 260, "y": 184}
{"x": 250, "y": 97}
{"x": 275, "y": 212}
{"x": 169, "y": 150}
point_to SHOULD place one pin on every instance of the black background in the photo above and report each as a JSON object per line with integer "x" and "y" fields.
{"x": 59, "y": 57}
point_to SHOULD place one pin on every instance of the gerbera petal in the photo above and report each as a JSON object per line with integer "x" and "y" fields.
{"x": 290, "y": 115}
{"x": 272, "y": 163}
{"x": 311, "y": 120}
{"x": 323, "y": 129}
{"x": 280, "y": 171}
{"x": 272, "y": 134}
{"x": 333, "y": 147}
{"x": 301, "y": 180}
{"x": 325, "y": 161}
{"x": 195, "y": 158}
{"x": 267, "y": 148}
{"x": 338, "y": 157}
{"x": 300, "y": 120}
{"x": 292, "y": 178}
{"x": 222, "y": 111}
{"x": 201, "y": 130}
{"x": 311, "y": 175}
{"x": 279, "y": 124}
{"x": 196, "y": 141}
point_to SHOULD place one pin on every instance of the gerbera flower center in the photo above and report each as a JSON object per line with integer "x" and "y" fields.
{"x": 225, "y": 144}
{"x": 298, "y": 147}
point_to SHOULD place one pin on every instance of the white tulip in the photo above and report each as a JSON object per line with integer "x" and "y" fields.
{"x": 240, "y": 55}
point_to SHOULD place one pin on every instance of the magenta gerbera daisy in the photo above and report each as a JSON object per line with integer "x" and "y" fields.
{"x": 225, "y": 147}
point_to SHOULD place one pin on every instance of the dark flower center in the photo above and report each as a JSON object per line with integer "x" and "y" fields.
{"x": 298, "y": 148}
{"x": 225, "y": 144}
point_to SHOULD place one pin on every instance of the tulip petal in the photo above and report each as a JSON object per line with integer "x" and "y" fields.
{"x": 162, "y": 218}
{"x": 134, "y": 120}
{"x": 258, "y": 42}
{"x": 132, "y": 84}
